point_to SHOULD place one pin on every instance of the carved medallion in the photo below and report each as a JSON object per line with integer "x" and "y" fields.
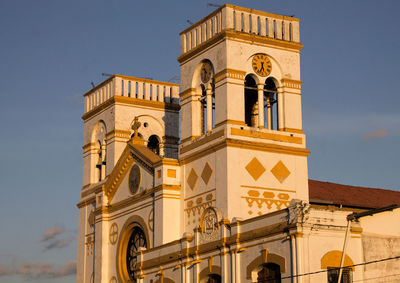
{"x": 134, "y": 179}
{"x": 209, "y": 223}
{"x": 113, "y": 233}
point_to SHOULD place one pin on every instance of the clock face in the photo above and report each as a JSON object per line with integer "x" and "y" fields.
{"x": 261, "y": 65}
{"x": 205, "y": 72}
{"x": 134, "y": 179}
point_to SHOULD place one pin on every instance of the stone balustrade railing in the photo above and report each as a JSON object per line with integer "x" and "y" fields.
{"x": 230, "y": 17}
{"x": 138, "y": 88}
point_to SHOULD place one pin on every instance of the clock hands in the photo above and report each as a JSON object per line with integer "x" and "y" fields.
{"x": 262, "y": 67}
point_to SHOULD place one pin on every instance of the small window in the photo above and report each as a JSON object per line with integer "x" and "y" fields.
{"x": 214, "y": 278}
{"x": 154, "y": 144}
{"x": 269, "y": 273}
{"x": 333, "y": 275}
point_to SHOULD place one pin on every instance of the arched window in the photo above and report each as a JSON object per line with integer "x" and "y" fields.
{"x": 250, "y": 102}
{"x": 154, "y": 144}
{"x": 270, "y": 105}
{"x": 136, "y": 240}
{"x": 269, "y": 273}
{"x": 214, "y": 278}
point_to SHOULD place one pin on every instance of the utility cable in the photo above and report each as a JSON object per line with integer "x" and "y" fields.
{"x": 348, "y": 266}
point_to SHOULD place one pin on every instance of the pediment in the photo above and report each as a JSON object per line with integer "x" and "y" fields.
{"x": 133, "y": 154}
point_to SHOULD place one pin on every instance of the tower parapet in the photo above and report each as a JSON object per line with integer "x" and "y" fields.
{"x": 118, "y": 85}
{"x": 230, "y": 18}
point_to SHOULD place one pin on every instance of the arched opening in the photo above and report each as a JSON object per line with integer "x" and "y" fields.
{"x": 331, "y": 261}
{"x": 154, "y": 144}
{"x": 270, "y": 105}
{"x": 101, "y": 161}
{"x": 136, "y": 240}
{"x": 214, "y": 278}
{"x": 250, "y": 102}
{"x": 269, "y": 273}
{"x": 203, "y": 111}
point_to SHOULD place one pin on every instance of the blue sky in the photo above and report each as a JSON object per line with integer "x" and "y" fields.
{"x": 50, "y": 51}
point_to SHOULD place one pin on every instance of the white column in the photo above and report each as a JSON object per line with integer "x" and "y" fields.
{"x": 262, "y": 26}
{"x": 254, "y": 26}
{"x": 260, "y": 88}
{"x": 146, "y": 91}
{"x": 281, "y": 116}
{"x": 140, "y": 90}
{"x": 209, "y": 110}
{"x": 269, "y": 114}
{"x": 238, "y": 20}
{"x": 299, "y": 262}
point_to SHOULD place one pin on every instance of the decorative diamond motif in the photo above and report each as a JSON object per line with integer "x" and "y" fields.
{"x": 280, "y": 171}
{"x": 207, "y": 173}
{"x": 255, "y": 168}
{"x": 192, "y": 179}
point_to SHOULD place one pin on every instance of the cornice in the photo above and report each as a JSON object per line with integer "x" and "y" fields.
{"x": 242, "y": 37}
{"x": 229, "y": 73}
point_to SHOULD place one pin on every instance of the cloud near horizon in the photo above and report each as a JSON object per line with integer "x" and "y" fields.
{"x": 59, "y": 243}
{"x": 378, "y": 134}
{"x": 39, "y": 269}
{"x": 51, "y": 240}
{"x": 52, "y": 232}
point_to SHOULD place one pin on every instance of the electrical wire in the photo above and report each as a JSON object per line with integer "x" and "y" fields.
{"x": 348, "y": 266}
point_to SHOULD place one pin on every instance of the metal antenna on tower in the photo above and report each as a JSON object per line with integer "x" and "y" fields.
{"x": 174, "y": 79}
{"x": 213, "y": 5}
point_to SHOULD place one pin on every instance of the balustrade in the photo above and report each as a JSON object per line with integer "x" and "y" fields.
{"x": 230, "y": 17}
{"x": 138, "y": 88}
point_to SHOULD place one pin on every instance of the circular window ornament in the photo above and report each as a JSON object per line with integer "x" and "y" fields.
{"x": 113, "y": 234}
{"x": 261, "y": 65}
{"x": 134, "y": 179}
{"x": 209, "y": 223}
{"x": 205, "y": 72}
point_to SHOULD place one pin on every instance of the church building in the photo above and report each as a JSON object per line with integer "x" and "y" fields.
{"x": 207, "y": 180}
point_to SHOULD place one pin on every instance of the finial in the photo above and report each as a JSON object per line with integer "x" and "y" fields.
{"x": 136, "y": 126}
{"x": 135, "y": 138}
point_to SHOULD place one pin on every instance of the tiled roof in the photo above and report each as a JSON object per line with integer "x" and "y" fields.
{"x": 361, "y": 197}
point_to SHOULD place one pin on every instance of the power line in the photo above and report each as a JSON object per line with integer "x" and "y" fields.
{"x": 379, "y": 277}
{"x": 348, "y": 266}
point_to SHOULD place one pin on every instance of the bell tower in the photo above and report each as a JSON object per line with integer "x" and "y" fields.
{"x": 242, "y": 145}
{"x": 112, "y": 107}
